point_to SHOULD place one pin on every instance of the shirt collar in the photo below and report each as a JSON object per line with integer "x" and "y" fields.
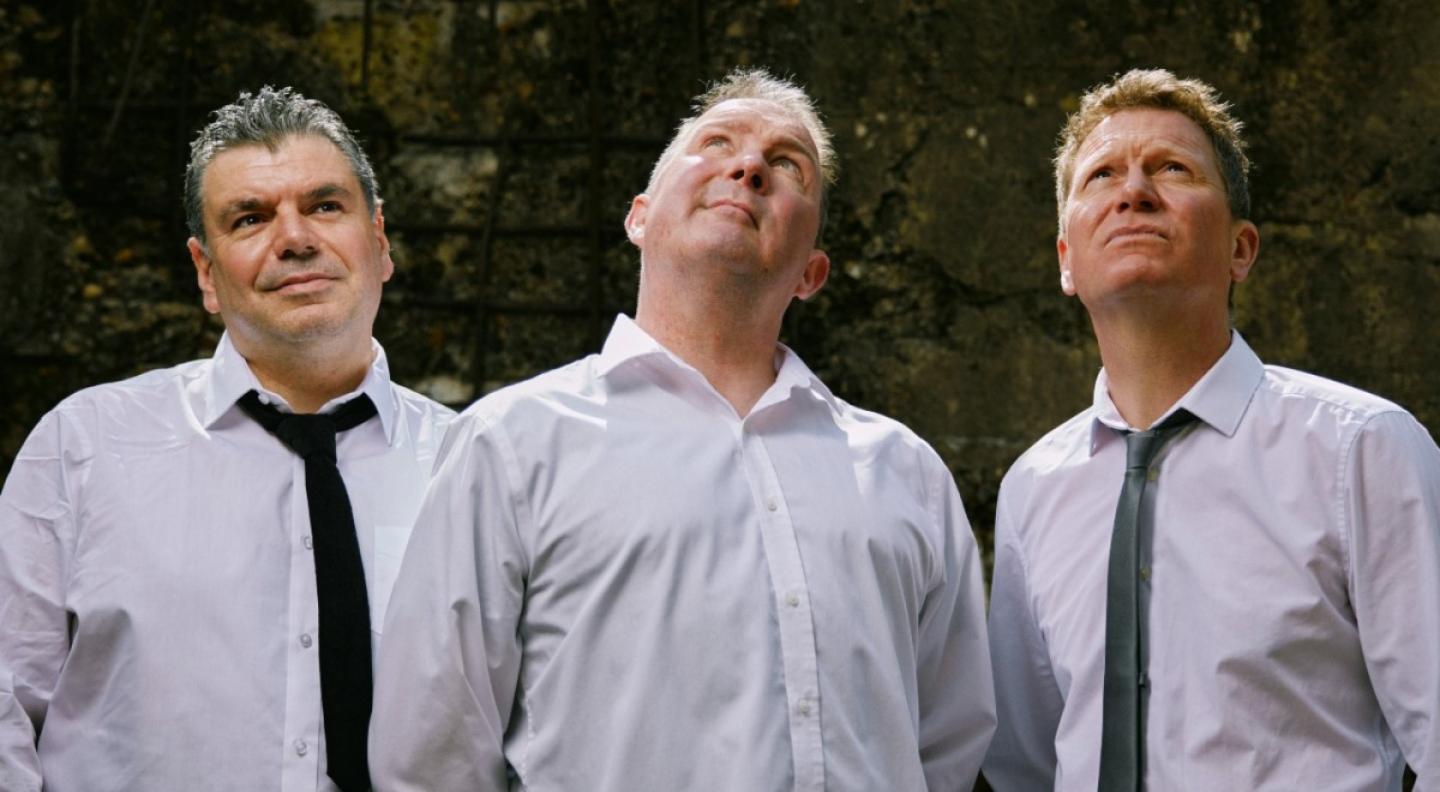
{"x": 1218, "y": 399}
{"x": 231, "y": 378}
{"x": 628, "y": 343}
{"x": 792, "y": 374}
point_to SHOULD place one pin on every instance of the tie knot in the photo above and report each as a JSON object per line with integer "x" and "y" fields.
{"x": 1141, "y": 447}
{"x": 309, "y": 436}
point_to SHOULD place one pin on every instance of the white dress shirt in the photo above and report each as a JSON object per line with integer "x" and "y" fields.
{"x": 618, "y": 584}
{"x": 158, "y": 614}
{"x": 1293, "y": 576}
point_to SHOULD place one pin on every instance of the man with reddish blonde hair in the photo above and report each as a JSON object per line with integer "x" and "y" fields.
{"x": 1223, "y": 574}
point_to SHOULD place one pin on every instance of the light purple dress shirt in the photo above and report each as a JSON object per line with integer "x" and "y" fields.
{"x": 1293, "y": 579}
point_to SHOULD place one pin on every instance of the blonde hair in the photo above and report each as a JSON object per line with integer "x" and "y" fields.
{"x": 1162, "y": 90}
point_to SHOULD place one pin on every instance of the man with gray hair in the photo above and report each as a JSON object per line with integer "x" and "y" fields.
{"x": 683, "y": 563}
{"x": 193, "y": 561}
{"x": 1222, "y": 575}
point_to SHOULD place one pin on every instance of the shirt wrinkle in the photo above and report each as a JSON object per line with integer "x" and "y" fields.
{"x": 180, "y": 599}
{"x": 1271, "y": 655}
{"x": 655, "y": 546}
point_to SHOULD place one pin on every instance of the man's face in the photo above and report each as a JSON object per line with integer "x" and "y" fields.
{"x": 294, "y": 255}
{"x": 742, "y": 196}
{"x": 1147, "y": 217}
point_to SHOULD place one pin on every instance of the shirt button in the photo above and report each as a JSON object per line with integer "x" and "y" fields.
{"x": 772, "y": 504}
{"x": 1144, "y": 573}
{"x": 307, "y": 541}
{"x": 301, "y": 748}
{"x": 1153, "y": 474}
{"x": 305, "y": 640}
{"x": 792, "y": 599}
{"x": 803, "y": 707}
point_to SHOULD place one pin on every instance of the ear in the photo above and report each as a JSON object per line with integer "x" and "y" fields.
{"x": 384, "y": 243}
{"x": 635, "y": 219}
{"x": 1244, "y": 250}
{"x": 817, "y": 270}
{"x": 1062, "y": 252}
{"x": 203, "y": 275}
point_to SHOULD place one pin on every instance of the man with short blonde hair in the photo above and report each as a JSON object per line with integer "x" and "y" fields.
{"x": 1223, "y": 574}
{"x": 683, "y": 563}
{"x": 1159, "y": 89}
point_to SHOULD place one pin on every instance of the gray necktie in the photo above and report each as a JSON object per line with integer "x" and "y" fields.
{"x": 1122, "y": 740}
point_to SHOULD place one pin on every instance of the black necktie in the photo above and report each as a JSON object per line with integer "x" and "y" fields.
{"x": 345, "y": 679}
{"x": 1122, "y": 740}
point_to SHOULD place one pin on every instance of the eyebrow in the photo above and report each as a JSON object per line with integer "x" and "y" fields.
{"x": 319, "y": 193}
{"x": 327, "y": 190}
{"x": 786, "y": 141}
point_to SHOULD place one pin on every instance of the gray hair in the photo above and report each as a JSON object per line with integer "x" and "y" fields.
{"x": 1161, "y": 90}
{"x": 759, "y": 84}
{"x": 267, "y": 118}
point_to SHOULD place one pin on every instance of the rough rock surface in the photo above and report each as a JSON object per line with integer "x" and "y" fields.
{"x": 509, "y": 137}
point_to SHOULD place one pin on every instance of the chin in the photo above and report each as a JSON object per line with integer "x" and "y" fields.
{"x": 313, "y": 326}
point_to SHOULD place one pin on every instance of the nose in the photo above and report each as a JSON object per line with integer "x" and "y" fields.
{"x": 1138, "y": 192}
{"x": 294, "y": 239}
{"x": 751, "y": 170}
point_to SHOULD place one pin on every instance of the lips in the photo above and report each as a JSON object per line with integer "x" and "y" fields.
{"x": 302, "y": 281}
{"x": 733, "y": 204}
{"x": 1136, "y": 232}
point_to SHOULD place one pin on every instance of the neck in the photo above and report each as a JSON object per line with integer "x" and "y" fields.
{"x": 1152, "y": 362}
{"x": 733, "y": 348}
{"x": 307, "y": 376}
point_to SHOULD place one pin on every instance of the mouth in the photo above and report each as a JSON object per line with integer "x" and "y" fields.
{"x": 727, "y": 205}
{"x": 302, "y": 282}
{"x": 1136, "y": 233}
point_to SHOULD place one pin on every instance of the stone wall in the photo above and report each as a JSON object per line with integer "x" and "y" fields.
{"x": 509, "y": 137}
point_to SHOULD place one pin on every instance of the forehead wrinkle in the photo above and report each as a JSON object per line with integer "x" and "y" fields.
{"x": 777, "y": 121}
{"x": 1140, "y": 148}
{"x": 1185, "y": 134}
{"x": 252, "y": 203}
{"x": 1145, "y": 147}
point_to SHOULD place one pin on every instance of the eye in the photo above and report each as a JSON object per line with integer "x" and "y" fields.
{"x": 245, "y": 220}
{"x": 1099, "y": 173}
{"x": 328, "y": 206}
{"x": 716, "y": 141}
{"x": 1175, "y": 167}
{"x": 786, "y": 163}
